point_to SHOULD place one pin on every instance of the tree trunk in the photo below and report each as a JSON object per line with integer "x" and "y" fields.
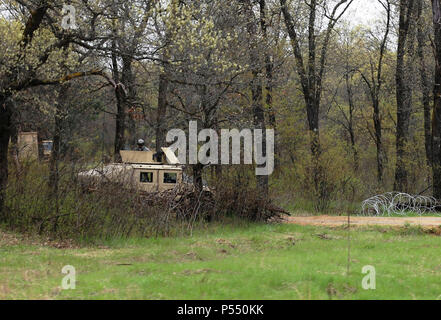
{"x": 120, "y": 121}
{"x": 5, "y": 134}
{"x": 197, "y": 177}
{"x": 13, "y": 148}
{"x": 271, "y": 111}
{"x": 259, "y": 123}
{"x": 403, "y": 92}
{"x": 436, "y": 128}
{"x": 161, "y": 111}
{"x": 55, "y": 155}
{"x": 59, "y": 121}
{"x": 128, "y": 79}
{"x": 378, "y": 140}
{"x": 269, "y": 67}
{"x": 120, "y": 124}
{"x": 421, "y": 37}
{"x": 351, "y": 120}
{"x": 308, "y": 79}
{"x": 311, "y": 77}
{"x": 374, "y": 88}
{"x": 256, "y": 88}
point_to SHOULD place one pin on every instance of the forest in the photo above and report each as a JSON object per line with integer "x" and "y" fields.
{"x": 355, "y": 107}
{"x": 212, "y": 149}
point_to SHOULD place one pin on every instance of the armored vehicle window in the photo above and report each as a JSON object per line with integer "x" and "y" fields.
{"x": 146, "y": 177}
{"x": 47, "y": 146}
{"x": 170, "y": 177}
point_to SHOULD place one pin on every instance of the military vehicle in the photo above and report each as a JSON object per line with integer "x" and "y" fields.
{"x": 47, "y": 148}
{"x": 145, "y": 171}
{"x": 28, "y": 147}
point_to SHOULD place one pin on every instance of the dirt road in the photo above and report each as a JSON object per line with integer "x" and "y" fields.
{"x": 334, "y": 221}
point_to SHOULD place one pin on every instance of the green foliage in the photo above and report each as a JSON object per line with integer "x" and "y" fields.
{"x": 206, "y": 46}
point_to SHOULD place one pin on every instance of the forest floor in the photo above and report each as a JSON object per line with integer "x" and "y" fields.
{"x": 252, "y": 261}
{"x": 332, "y": 221}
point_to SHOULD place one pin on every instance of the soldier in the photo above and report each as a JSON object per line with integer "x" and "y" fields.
{"x": 141, "y": 146}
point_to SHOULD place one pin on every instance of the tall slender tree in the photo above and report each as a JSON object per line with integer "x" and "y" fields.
{"x": 404, "y": 90}
{"x": 374, "y": 82}
{"x": 256, "y": 83}
{"x": 436, "y": 130}
{"x": 312, "y": 72}
{"x": 425, "y": 83}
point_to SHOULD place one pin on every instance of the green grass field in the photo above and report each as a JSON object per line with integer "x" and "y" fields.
{"x": 225, "y": 262}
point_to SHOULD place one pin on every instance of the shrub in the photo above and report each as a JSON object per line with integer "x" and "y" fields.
{"x": 68, "y": 211}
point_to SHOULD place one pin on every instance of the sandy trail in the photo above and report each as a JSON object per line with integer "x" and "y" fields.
{"x": 334, "y": 221}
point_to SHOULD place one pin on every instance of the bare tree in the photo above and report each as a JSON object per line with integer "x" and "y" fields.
{"x": 404, "y": 74}
{"x": 425, "y": 83}
{"x": 256, "y": 83}
{"x": 312, "y": 73}
{"x": 436, "y": 129}
{"x": 374, "y": 84}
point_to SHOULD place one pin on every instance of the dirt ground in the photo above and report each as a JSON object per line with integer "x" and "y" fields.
{"x": 334, "y": 221}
